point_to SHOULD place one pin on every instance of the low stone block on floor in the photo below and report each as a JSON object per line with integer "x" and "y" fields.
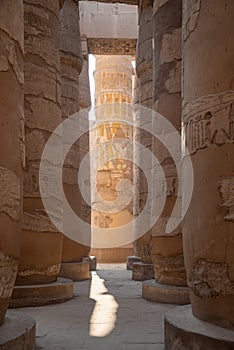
{"x": 17, "y": 332}
{"x": 42, "y": 294}
{"x": 92, "y": 260}
{"x": 76, "y": 271}
{"x": 142, "y": 271}
{"x": 131, "y": 260}
{"x": 183, "y": 331}
{"x": 167, "y": 294}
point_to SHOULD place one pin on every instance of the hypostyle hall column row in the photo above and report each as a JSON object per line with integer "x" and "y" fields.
{"x": 208, "y": 229}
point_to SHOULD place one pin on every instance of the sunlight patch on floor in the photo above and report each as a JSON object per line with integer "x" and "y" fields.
{"x": 103, "y": 318}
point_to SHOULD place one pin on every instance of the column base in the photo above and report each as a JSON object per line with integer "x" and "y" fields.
{"x": 17, "y": 332}
{"x": 167, "y": 294}
{"x": 142, "y": 271}
{"x": 131, "y": 260}
{"x": 92, "y": 260}
{"x": 183, "y": 331}
{"x": 42, "y": 294}
{"x": 76, "y": 271}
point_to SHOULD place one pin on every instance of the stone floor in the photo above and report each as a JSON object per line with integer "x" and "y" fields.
{"x": 107, "y": 313}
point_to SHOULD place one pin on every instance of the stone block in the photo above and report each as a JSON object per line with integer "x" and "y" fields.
{"x": 142, "y": 271}
{"x": 76, "y": 271}
{"x": 131, "y": 260}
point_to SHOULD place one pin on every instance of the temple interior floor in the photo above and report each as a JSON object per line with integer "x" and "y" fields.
{"x": 107, "y": 313}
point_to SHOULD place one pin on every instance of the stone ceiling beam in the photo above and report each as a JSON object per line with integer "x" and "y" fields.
{"x": 106, "y": 46}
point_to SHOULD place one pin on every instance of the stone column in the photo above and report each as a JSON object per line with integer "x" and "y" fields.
{"x": 39, "y": 263}
{"x": 167, "y": 249}
{"x": 14, "y": 329}
{"x": 85, "y": 98}
{"x": 113, "y": 97}
{"x": 41, "y": 246}
{"x": 71, "y": 66}
{"x": 208, "y": 114}
{"x": 144, "y": 66}
{"x": 11, "y": 144}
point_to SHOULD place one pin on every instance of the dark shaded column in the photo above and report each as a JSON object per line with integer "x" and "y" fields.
{"x": 11, "y": 144}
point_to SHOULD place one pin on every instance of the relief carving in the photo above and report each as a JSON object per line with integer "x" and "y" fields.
{"x": 191, "y": 11}
{"x": 10, "y": 194}
{"x": 171, "y": 47}
{"x": 226, "y": 187}
{"x": 209, "y": 120}
{"x": 8, "y": 272}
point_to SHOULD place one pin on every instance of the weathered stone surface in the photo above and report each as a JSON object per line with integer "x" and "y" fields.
{"x": 168, "y": 260}
{"x": 92, "y": 260}
{"x": 11, "y": 145}
{"x": 167, "y": 250}
{"x": 99, "y": 46}
{"x": 85, "y": 98}
{"x": 76, "y": 271}
{"x": 142, "y": 271}
{"x": 144, "y": 67}
{"x": 183, "y": 331}
{"x": 39, "y": 263}
{"x": 207, "y": 127}
{"x": 164, "y": 293}
{"x": 131, "y": 260}
{"x": 71, "y": 65}
{"x": 18, "y": 332}
{"x": 42, "y": 294}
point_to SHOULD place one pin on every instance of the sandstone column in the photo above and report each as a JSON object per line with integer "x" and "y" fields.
{"x": 71, "y": 66}
{"x": 85, "y": 98}
{"x": 113, "y": 96}
{"x": 208, "y": 114}
{"x": 11, "y": 145}
{"x": 167, "y": 250}
{"x": 41, "y": 246}
{"x": 144, "y": 66}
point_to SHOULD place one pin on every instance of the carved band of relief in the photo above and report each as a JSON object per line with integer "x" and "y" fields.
{"x": 209, "y": 120}
{"x": 191, "y": 11}
{"x": 226, "y": 186}
{"x": 49, "y": 271}
{"x": 211, "y": 279}
{"x": 8, "y": 272}
{"x": 10, "y": 194}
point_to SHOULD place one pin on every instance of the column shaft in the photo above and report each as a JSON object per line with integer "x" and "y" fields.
{"x": 41, "y": 242}
{"x": 11, "y": 144}
{"x": 208, "y": 116}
